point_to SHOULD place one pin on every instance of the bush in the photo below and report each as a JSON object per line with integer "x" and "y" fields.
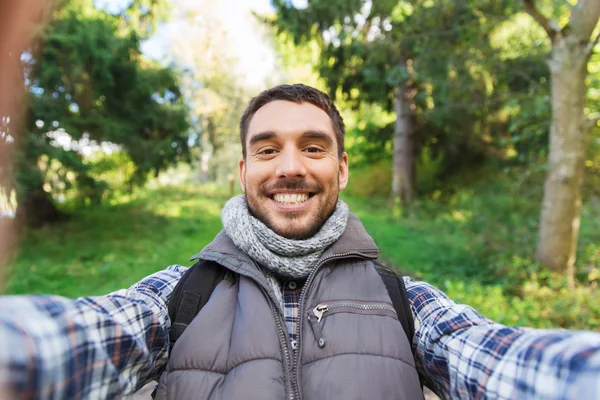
{"x": 372, "y": 180}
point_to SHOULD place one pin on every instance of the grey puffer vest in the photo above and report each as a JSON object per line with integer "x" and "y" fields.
{"x": 238, "y": 346}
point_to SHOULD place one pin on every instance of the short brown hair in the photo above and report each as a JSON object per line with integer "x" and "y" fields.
{"x": 297, "y": 93}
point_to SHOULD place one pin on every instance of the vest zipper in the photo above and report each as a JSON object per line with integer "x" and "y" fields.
{"x": 283, "y": 341}
{"x": 296, "y": 355}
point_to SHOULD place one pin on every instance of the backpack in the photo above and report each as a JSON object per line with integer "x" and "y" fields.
{"x": 197, "y": 284}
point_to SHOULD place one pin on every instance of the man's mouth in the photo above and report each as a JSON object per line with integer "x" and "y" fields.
{"x": 291, "y": 198}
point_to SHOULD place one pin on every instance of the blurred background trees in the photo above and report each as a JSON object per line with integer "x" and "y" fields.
{"x": 472, "y": 129}
{"x": 87, "y": 83}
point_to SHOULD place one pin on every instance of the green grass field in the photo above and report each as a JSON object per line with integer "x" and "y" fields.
{"x": 474, "y": 245}
{"x": 112, "y": 246}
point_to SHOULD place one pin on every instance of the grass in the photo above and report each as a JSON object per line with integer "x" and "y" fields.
{"x": 475, "y": 244}
{"x": 112, "y": 246}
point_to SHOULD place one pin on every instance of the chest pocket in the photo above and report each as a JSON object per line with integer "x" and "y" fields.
{"x": 361, "y": 349}
{"x": 319, "y": 315}
{"x": 355, "y": 326}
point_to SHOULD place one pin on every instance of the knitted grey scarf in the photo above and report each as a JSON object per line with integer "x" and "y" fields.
{"x": 285, "y": 258}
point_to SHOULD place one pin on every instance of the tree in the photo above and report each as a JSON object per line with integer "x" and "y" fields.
{"x": 89, "y": 81}
{"x": 403, "y": 56}
{"x": 213, "y": 85}
{"x": 572, "y": 47}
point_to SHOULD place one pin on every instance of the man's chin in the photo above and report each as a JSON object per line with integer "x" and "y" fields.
{"x": 297, "y": 230}
{"x": 296, "y": 225}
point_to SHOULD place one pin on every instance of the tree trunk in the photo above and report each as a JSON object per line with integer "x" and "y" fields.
{"x": 204, "y": 164}
{"x": 35, "y": 207}
{"x": 38, "y": 209}
{"x": 561, "y": 206}
{"x": 403, "y": 169}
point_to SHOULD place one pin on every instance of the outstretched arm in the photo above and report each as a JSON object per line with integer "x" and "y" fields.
{"x": 468, "y": 356}
{"x": 90, "y": 347}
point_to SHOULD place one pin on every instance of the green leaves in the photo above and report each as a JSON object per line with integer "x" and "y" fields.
{"x": 398, "y": 75}
{"x": 91, "y": 80}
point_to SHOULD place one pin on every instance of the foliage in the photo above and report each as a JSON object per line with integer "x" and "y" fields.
{"x": 88, "y": 84}
{"x": 374, "y": 179}
{"x": 371, "y": 180}
{"x": 523, "y": 86}
{"x": 213, "y": 86}
{"x": 295, "y": 61}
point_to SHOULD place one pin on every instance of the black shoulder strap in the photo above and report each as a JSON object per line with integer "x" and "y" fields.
{"x": 191, "y": 294}
{"x": 397, "y": 291}
{"x": 395, "y": 287}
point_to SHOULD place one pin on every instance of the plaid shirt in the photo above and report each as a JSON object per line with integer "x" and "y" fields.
{"x": 291, "y": 301}
{"x": 108, "y": 346}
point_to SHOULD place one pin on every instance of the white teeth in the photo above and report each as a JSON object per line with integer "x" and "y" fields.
{"x": 290, "y": 198}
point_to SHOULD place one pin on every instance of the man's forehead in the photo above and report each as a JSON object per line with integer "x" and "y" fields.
{"x": 286, "y": 117}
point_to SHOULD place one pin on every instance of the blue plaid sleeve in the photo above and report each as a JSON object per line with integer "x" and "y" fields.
{"x": 90, "y": 347}
{"x": 465, "y": 355}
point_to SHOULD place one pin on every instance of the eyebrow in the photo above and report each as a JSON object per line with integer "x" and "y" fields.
{"x": 319, "y": 135}
{"x": 259, "y": 137}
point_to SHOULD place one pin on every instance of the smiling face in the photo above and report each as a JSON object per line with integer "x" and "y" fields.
{"x": 292, "y": 173}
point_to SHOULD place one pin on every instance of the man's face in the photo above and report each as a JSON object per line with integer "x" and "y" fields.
{"x": 292, "y": 173}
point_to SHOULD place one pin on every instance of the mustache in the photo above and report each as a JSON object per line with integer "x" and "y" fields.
{"x": 292, "y": 184}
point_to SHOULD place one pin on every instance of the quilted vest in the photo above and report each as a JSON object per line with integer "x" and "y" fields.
{"x": 351, "y": 344}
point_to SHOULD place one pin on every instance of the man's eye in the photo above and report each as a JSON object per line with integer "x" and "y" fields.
{"x": 267, "y": 152}
{"x": 312, "y": 150}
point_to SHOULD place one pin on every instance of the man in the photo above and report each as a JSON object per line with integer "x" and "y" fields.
{"x": 302, "y": 311}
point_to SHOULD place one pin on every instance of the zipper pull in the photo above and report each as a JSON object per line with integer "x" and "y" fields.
{"x": 319, "y": 310}
{"x": 315, "y": 323}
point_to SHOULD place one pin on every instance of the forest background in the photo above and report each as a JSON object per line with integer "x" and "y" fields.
{"x": 472, "y": 134}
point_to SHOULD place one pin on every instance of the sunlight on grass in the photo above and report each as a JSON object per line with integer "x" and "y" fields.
{"x": 459, "y": 215}
{"x": 112, "y": 246}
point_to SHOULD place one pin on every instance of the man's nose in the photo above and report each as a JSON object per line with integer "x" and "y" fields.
{"x": 290, "y": 164}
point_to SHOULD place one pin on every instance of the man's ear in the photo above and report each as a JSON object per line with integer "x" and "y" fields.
{"x": 242, "y": 174}
{"x": 343, "y": 172}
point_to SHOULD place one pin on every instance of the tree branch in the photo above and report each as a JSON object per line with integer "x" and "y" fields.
{"x": 589, "y": 49}
{"x": 592, "y": 121}
{"x": 567, "y": 3}
{"x": 584, "y": 18}
{"x": 549, "y": 25}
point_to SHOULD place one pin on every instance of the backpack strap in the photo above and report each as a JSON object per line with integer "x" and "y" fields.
{"x": 397, "y": 292}
{"x": 191, "y": 294}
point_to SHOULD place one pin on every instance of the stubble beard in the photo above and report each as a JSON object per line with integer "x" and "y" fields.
{"x": 258, "y": 209}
